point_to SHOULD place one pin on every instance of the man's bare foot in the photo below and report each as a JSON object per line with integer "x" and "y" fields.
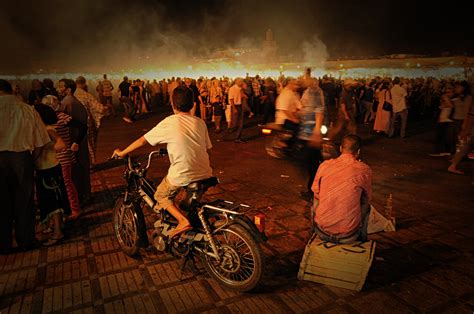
{"x": 455, "y": 171}
{"x": 180, "y": 228}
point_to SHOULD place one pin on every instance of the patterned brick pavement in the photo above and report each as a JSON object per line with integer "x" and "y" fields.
{"x": 426, "y": 266}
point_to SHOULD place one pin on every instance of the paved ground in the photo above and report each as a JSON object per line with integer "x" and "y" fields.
{"x": 426, "y": 266}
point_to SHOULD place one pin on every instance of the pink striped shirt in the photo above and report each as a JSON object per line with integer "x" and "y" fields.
{"x": 339, "y": 185}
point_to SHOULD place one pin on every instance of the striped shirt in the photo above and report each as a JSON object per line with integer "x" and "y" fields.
{"x": 66, "y": 157}
{"x": 339, "y": 186}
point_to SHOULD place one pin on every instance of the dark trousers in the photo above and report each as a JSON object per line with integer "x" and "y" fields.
{"x": 129, "y": 108}
{"x": 444, "y": 138}
{"x": 268, "y": 112}
{"x": 239, "y": 120}
{"x": 155, "y": 102}
{"x": 312, "y": 161}
{"x": 81, "y": 173}
{"x": 16, "y": 199}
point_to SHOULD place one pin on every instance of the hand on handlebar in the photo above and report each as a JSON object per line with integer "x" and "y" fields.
{"x": 117, "y": 154}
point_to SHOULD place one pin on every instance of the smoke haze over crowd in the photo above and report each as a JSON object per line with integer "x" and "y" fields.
{"x": 102, "y": 35}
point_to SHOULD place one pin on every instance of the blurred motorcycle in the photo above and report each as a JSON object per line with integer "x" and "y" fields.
{"x": 282, "y": 142}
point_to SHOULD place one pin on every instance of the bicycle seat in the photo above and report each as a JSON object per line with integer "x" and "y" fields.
{"x": 203, "y": 184}
{"x": 195, "y": 190}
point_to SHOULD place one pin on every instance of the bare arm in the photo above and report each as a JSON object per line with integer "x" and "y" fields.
{"x": 319, "y": 122}
{"x": 467, "y": 126}
{"x": 315, "y": 140}
{"x": 291, "y": 115}
{"x": 59, "y": 144}
{"x": 344, "y": 111}
{"x": 135, "y": 145}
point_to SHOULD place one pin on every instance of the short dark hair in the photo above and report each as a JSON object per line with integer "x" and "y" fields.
{"x": 81, "y": 80}
{"x": 351, "y": 143}
{"x": 47, "y": 114}
{"x": 69, "y": 84}
{"x": 396, "y": 80}
{"x": 465, "y": 85}
{"x": 48, "y": 83}
{"x": 183, "y": 98}
{"x": 5, "y": 86}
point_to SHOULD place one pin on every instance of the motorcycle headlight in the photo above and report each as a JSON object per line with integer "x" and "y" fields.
{"x": 324, "y": 129}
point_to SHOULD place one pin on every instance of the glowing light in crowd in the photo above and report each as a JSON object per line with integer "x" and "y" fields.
{"x": 324, "y": 129}
{"x": 237, "y": 69}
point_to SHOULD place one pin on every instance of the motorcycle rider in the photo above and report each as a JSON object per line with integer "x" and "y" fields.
{"x": 287, "y": 106}
{"x": 311, "y": 116}
{"x": 187, "y": 142}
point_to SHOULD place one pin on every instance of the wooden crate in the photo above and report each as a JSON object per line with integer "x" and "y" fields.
{"x": 341, "y": 265}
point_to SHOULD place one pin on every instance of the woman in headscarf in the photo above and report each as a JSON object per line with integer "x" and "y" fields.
{"x": 382, "y": 117}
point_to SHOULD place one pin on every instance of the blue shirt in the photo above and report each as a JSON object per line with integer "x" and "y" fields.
{"x": 312, "y": 102}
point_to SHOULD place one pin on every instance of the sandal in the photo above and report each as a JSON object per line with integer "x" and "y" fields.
{"x": 47, "y": 230}
{"x": 456, "y": 171}
{"x": 73, "y": 217}
{"x": 53, "y": 240}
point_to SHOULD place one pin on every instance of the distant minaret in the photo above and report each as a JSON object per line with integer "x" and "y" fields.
{"x": 269, "y": 47}
{"x": 269, "y": 36}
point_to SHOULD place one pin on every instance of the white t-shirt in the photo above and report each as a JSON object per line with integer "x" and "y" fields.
{"x": 235, "y": 94}
{"x": 187, "y": 141}
{"x": 398, "y": 98}
{"x": 288, "y": 101}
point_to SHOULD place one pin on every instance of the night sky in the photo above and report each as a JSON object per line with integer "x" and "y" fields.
{"x": 94, "y": 34}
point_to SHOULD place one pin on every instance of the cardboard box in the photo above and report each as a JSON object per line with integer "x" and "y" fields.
{"x": 340, "y": 265}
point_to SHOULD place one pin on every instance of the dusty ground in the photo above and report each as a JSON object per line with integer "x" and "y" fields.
{"x": 425, "y": 266}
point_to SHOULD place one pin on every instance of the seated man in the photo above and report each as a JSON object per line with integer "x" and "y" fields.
{"x": 342, "y": 191}
{"x": 187, "y": 141}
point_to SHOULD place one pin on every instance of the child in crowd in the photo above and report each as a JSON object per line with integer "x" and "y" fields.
{"x": 50, "y": 189}
{"x": 66, "y": 157}
{"x": 218, "y": 111}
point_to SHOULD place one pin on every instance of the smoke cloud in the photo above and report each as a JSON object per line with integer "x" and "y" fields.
{"x": 315, "y": 52}
{"x": 104, "y": 36}
{"x": 114, "y": 35}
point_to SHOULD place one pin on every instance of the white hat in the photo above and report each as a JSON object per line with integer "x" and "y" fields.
{"x": 52, "y": 101}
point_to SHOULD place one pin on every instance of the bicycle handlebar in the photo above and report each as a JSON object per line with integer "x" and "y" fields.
{"x": 161, "y": 152}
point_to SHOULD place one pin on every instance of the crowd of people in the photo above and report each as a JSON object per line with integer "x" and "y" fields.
{"x": 46, "y": 156}
{"x": 52, "y": 137}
